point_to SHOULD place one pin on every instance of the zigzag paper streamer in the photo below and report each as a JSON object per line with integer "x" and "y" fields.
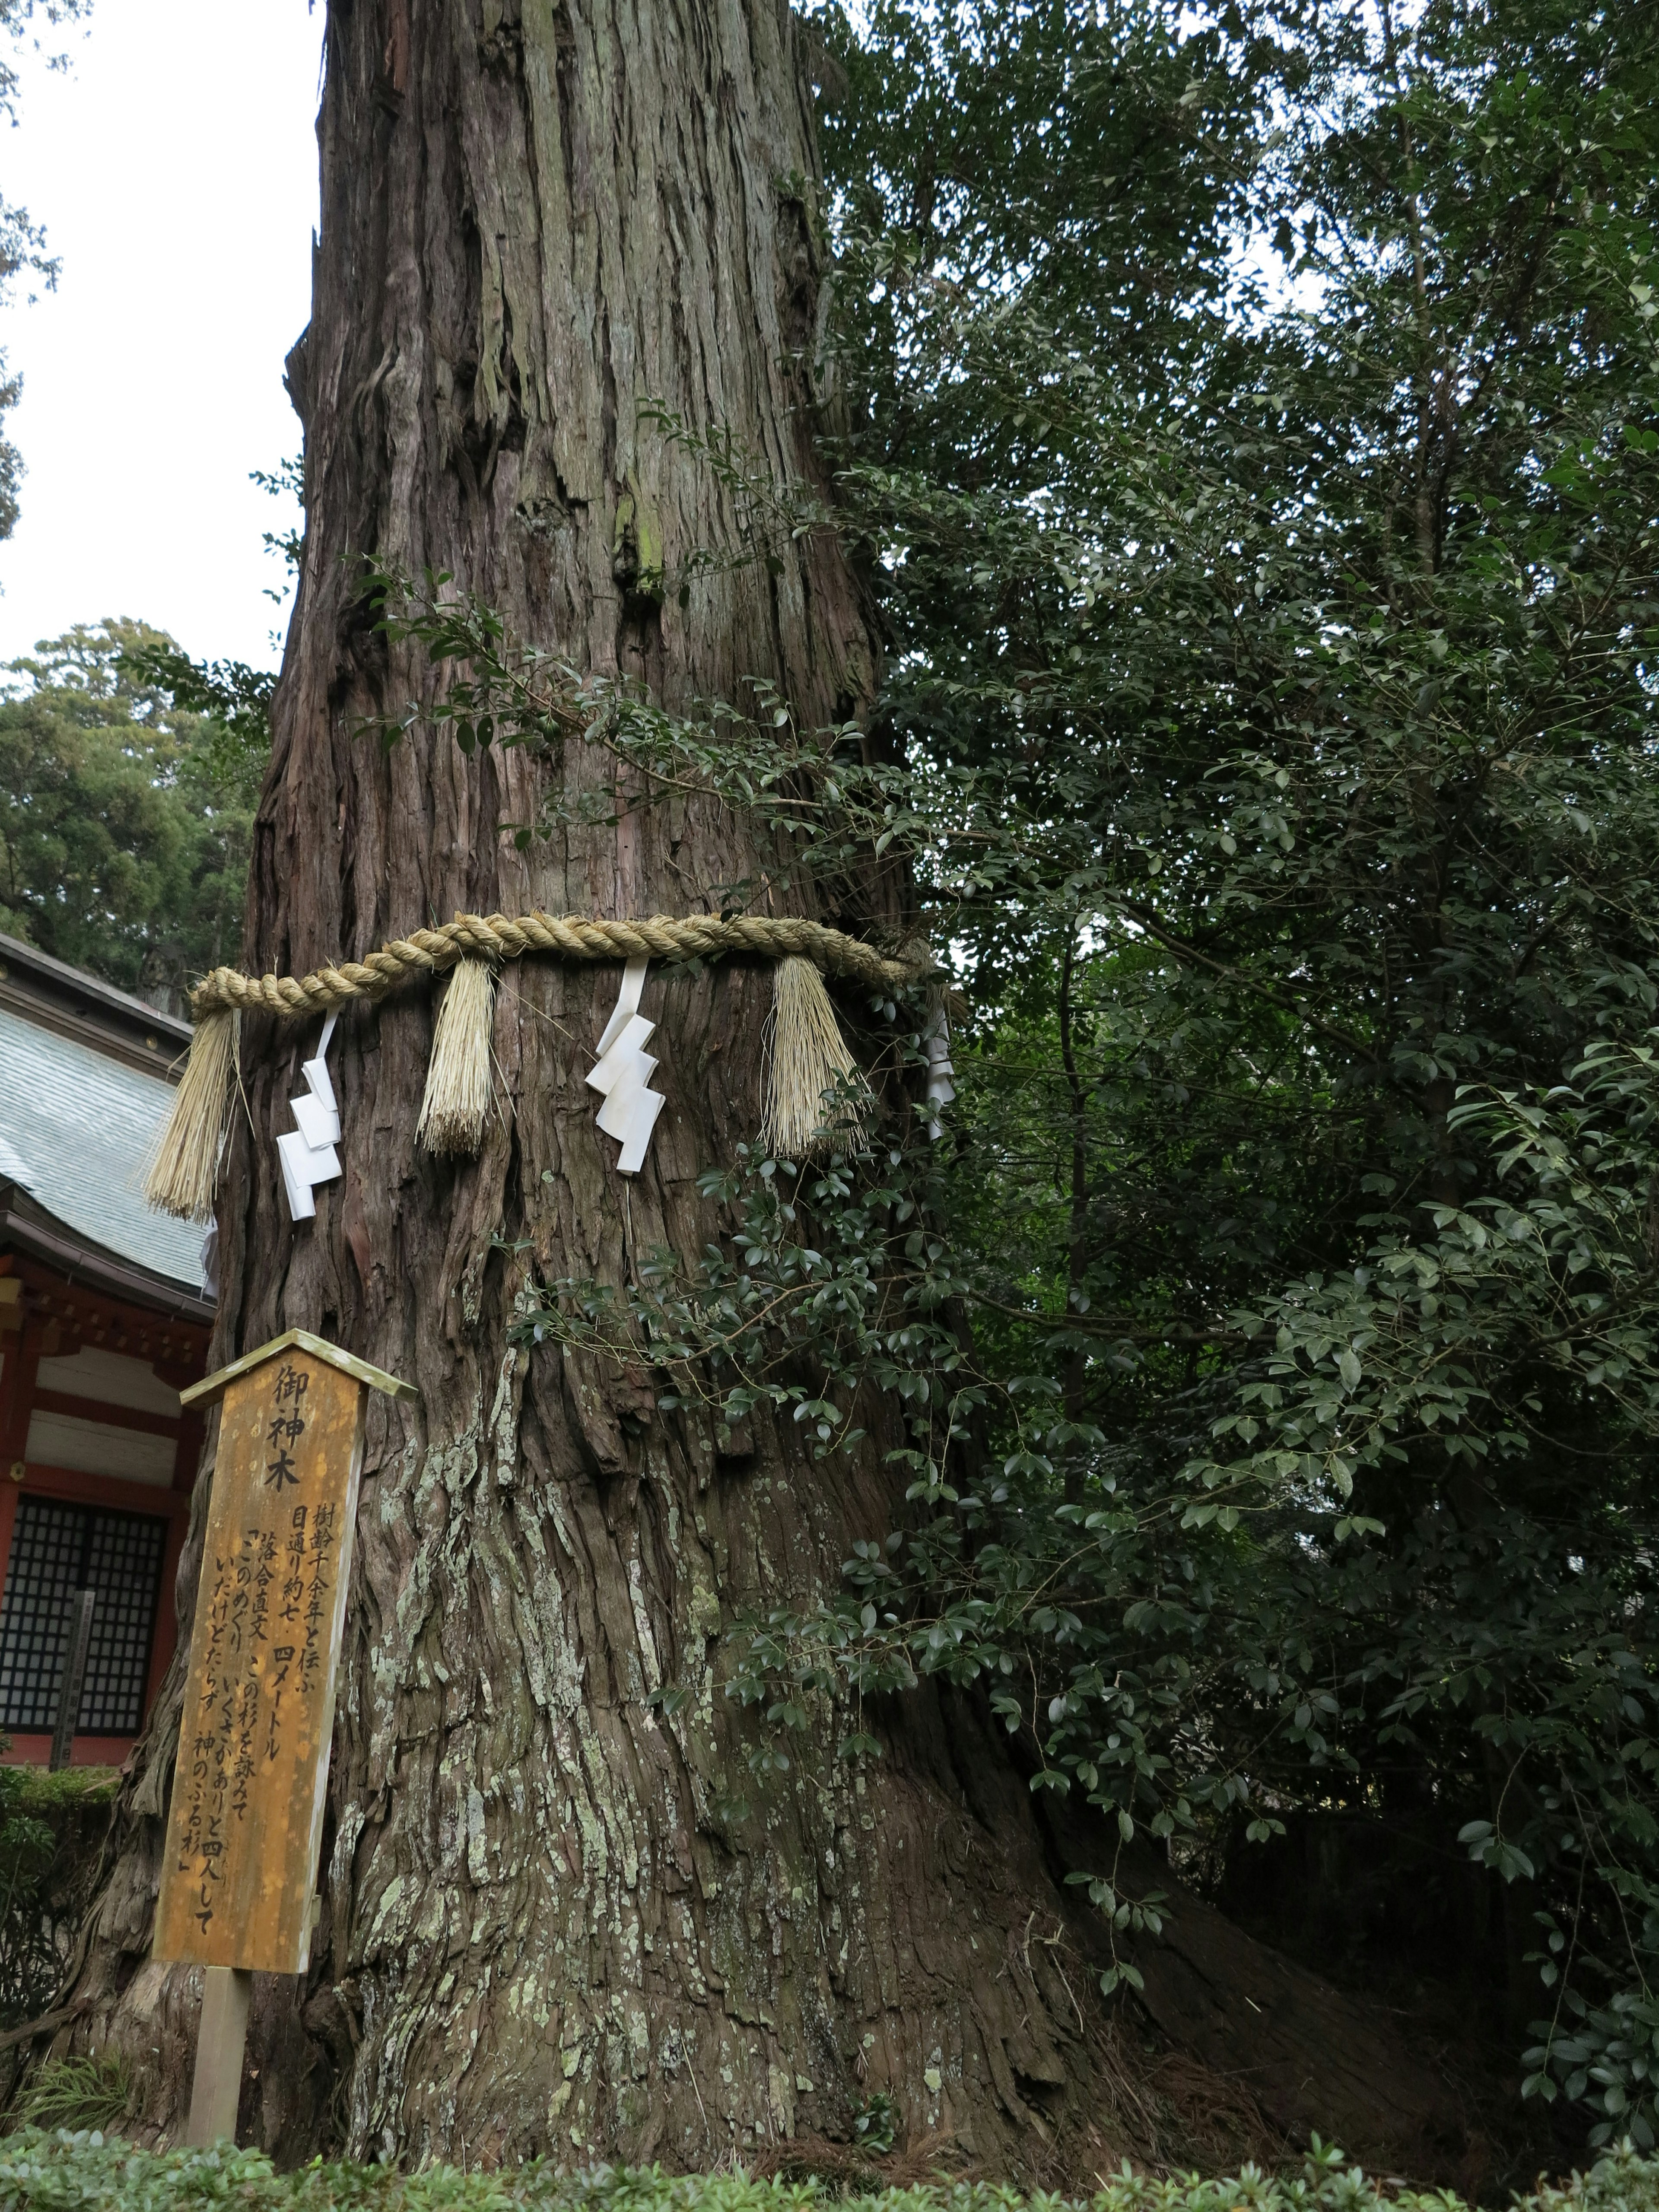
{"x": 940, "y": 1089}
{"x": 307, "y": 1152}
{"x": 622, "y": 1071}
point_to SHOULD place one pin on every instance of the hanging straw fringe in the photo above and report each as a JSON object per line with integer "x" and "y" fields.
{"x": 456, "y": 1101}
{"x": 808, "y": 1058}
{"x": 184, "y": 1170}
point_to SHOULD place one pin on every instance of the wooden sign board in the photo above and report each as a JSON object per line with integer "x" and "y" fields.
{"x": 246, "y": 1818}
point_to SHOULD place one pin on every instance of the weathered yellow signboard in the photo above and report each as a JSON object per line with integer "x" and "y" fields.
{"x": 245, "y": 1823}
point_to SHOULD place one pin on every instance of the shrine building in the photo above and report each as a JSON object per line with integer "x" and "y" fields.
{"x": 104, "y": 1316}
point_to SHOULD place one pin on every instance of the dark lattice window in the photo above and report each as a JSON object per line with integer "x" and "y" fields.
{"x": 56, "y": 1551}
{"x": 124, "y": 1568}
{"x": 35, "y": 1618}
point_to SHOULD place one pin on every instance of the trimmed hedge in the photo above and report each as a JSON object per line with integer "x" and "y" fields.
{"x": 84, "y": 2172}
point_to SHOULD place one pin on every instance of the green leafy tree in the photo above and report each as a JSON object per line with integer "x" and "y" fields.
{"x": 125, "y": 817}
{"x": 1274, "y": 689}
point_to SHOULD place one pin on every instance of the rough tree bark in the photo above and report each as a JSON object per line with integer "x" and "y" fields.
{"x": 550, "y": 1921}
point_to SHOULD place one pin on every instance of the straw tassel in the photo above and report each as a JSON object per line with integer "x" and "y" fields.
{"x": 184, "y": 1171}
{"x": 809, "y": 1057}
{"x": 458, "y": 1092}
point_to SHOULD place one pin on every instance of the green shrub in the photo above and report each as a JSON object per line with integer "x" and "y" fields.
{"x": 29, "y": 1964}
{"x": 39, "y": 1792}
{"x": 61, "y": 2173}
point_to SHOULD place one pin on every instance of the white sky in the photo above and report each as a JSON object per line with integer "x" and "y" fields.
{"x": 175, "y": 168}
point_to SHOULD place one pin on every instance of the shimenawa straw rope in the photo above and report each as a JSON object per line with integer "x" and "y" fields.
{"x": 185, "y": 1175}
{"x": 570, "y": 937}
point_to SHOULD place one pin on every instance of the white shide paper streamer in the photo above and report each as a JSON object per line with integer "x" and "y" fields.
{"x": 623, "y": 1071}
{"x": 307, "y": 1153}
{"x": 940, "y": 1089}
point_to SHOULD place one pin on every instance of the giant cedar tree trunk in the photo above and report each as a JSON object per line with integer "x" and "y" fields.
{"x": 553, "y": 1920}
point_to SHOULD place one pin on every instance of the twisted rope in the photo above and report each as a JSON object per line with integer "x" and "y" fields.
{"x": 573, "y": 936}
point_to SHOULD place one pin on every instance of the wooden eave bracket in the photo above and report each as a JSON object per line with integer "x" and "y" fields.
{"x": 213, "y": 1387}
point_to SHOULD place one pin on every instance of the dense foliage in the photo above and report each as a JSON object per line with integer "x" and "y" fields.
{"x": 66, "y": 2172}
{"x": 1257, "y": 438}
{"x": 125, "y": 817}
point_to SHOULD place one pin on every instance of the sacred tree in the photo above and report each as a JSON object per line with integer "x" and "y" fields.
{"x": 570, "y": 257}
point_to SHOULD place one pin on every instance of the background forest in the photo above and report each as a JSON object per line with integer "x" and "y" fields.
{"x": 1249, "y": 419}
{"x": 124, "y": 814}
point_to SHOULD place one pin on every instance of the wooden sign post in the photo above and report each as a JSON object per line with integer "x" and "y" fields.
{"x": 240, "y": 1878}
